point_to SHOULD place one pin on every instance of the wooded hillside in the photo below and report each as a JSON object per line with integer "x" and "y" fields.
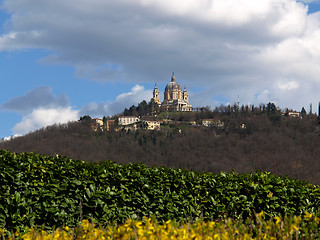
{"x": 266, "y": 141}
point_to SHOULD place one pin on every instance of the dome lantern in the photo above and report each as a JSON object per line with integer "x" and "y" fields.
{"x": 173, "y": 78}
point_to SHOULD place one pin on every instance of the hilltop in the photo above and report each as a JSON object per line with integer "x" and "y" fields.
{"x": 246, "y": 140}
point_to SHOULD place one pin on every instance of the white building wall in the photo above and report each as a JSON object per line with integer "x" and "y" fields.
{"x": 126, "y": 120}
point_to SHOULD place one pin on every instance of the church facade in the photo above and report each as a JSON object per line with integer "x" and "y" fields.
{"x": 174, "y": 98}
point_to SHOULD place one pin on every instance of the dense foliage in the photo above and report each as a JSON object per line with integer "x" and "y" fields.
{"x": 142, "y": 109}
{"x": 55, "y": 191}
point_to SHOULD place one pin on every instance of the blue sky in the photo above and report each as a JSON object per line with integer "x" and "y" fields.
{"x": 60, "y": 60}
{"x": 313, "y": 6}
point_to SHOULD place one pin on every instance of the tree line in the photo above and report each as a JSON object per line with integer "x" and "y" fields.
{"x": 143, "y": 109}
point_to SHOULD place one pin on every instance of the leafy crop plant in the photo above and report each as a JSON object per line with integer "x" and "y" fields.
{"x": 41, "y": 191}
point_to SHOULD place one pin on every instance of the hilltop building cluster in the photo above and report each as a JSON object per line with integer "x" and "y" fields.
{"x": 174, "y": 98}
{"x": 126, "y": 123}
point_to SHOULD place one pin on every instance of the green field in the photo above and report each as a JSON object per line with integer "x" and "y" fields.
{"x": 49, "y": 192}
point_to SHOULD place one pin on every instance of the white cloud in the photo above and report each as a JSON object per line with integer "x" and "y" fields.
{"x": 51, "y": 111}
{"x": 36, "y": 98}
{"x": 122, "y": 101}
{"x": 41, "y": 117}
{"x": 287, "y": 85}
{"x": 266, "y": 96}
{"x": 228, "y": 46}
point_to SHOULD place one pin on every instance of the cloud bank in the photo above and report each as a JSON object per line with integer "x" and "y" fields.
{"x": 42, "y": 117}
{"x": 122, "y": 101}
{"x": 40, "y": 108}
{"x": 41, "y": 97}
{"x": 225, "y": 48}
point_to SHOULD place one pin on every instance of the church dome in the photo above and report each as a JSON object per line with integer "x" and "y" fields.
{"x": 173, "y": 84}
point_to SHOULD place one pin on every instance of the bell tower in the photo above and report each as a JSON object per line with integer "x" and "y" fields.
{"x": 156, "y": 94}
{"x": 185, "y": 95}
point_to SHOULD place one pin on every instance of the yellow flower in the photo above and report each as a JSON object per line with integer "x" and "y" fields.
{"x": 85, "y": 224}
{"x": 138, "y": 224}
{"x": 212, "y": 224}
{"x": 294, "y": 227}
{"x": 261, "y": 215}
{"x": 56, "y": 235}
{"x": 308, "y": 216}
{"x": 225, "y": 236}
{"x": 246, "y": 236}
{"x": 278, "y": 220}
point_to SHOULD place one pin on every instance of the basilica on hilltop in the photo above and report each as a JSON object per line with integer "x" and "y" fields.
{"x": 174, "y": 98}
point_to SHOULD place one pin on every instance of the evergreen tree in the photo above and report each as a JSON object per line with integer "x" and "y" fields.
{"x": 303, "y": 112}
{"x": 143, "y": 108}
{"x": 85, "y": 118}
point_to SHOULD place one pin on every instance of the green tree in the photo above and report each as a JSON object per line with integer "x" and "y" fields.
{"x": 153, "y": 108}
{"x": 303, "y": 112}
{"x": 126, "y": 112}
{"x": 85, "y": 118}
{"x": 271, "y": 107}
{"x": 143, "y": 108}
{"x": 133, "y": 111}
{"x": 273, "y": 114}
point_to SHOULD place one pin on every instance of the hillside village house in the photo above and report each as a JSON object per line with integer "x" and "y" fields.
{"x": 212, "y": 123}
{"x": 129, "y": 123}
{"x": 151, "y": 125}
{"x": 132, "y": 127}
{"x": 110, "y": 124}
{"x": 293, "y": 114}
{"x": 127, "y": 120}
{"x": 98, "y": 121}
{"x": 97, "y": 124}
